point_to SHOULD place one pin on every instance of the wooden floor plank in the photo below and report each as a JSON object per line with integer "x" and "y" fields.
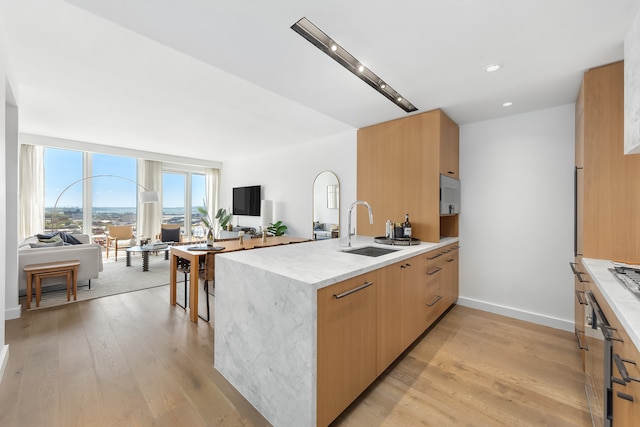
{"x": 132, "y": 359}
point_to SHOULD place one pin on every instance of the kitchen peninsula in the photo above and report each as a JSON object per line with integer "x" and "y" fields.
{"x": 277, "y": 337}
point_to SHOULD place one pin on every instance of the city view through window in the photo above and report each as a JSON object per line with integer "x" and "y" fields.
{"x": 114, "y": 198}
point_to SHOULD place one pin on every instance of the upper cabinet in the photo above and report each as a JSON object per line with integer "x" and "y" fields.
{"x": 610, "y": 182}
{"x": 449, "y": 147}
{"x": 399, "y": 166}
{"x": 632, "y": 88}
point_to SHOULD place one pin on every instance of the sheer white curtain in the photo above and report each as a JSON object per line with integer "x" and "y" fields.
{"x": 31, "y": 191}
{"x": 150, "y": 214}
{"x": 212, "y": 190}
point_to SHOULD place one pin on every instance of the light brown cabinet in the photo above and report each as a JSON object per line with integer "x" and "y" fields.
{"x": 581, "y": 281}
{"x": 367, "y": 322}
{"x": 450, "y": 266}
{"x": 626, "y": 394}
{"x": 346, "y": 344}
{"x": 389, "y": 322}
{"x": 449, "y": 147}
{"x": 414, "y": 317}
{"x": 395, "y": 284}
{"x": 399, "y": 165}
{"x": 608, "y": 210}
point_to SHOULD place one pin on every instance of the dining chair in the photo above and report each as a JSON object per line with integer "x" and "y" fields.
{"x": 170, "y": 233}
{"x": 207, "y": 274}
{"x": 184, "y": 266}
{"x": 121, "y": 236}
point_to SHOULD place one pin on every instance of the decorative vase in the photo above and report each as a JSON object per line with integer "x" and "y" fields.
{"x": 210, "y": 238}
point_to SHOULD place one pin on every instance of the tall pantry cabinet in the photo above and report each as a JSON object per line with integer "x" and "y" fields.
{"x": 607, "y": 181}
{"x": 399, "y": 167}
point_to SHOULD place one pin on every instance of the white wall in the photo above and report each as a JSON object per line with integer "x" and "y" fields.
{"x": 287, "y": 176}
{"x": 516, "y": 225}
{"x": 8, "y": 189}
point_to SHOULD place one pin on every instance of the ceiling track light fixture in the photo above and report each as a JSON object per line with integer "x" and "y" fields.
{"x": 322, "y": 41}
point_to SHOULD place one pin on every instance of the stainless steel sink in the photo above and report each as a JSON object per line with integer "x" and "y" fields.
{"x": 372, "y": 251}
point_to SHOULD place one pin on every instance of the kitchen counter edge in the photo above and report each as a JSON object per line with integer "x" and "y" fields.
{"x": 624, "y": 304}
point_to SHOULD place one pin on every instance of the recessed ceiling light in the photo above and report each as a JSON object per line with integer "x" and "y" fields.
{"x": 491, "y": 68}
{"x": 322, "y": 41}
{"x": 507, "y": 104}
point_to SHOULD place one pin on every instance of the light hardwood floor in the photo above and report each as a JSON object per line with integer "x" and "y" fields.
{"x": 132, "y": 360}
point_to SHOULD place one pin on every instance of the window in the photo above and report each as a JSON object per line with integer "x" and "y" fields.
{"x": 173, "y": 199}
{"x": 114, "y": 192}
{"x": 61, "y": 169}
{"x": 182, "y": 193}
{"x": 96, "y": 190}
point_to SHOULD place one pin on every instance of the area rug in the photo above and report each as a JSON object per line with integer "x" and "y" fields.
{"x": 116, "y": 278}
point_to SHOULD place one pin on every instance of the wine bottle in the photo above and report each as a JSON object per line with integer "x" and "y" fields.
{"x": 407, "y": 226}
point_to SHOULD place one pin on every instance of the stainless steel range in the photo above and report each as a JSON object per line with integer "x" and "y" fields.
{"x": 628, "y": 277}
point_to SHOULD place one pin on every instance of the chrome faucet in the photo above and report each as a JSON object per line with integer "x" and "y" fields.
{"x": 358, "y": 202}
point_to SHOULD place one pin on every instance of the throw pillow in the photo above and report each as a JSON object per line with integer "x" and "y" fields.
{"x": 52, "y": 239}
{"x": 66, "y": 237}
{"x": 47, "y": 245}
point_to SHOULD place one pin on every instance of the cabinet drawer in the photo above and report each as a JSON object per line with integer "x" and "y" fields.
{"x": 434, "y": 302}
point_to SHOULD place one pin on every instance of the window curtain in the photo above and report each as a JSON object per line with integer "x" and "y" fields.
{"x": 150, "y": 214}
{"x": 31, "y": 191}
{"x": 212, "y": 190}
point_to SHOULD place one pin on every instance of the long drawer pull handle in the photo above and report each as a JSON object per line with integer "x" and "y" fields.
{"x": 435, "y": 300}
{"x": 351, "y": 291}
{"x": 580, "y": 344}
{"x": 573, "y": 267}
{"x": 608, "y": 335}
{"x": 434, "y": 271}
{"x": 623, "y": 369}
{"x": 580, "y": 297}
{"x": 436, "y": 256}
{"x": 580, "y": 279}
{"x": 624, "y": 396}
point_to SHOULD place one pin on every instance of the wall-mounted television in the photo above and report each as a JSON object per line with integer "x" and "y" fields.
{"x": 246, "y": 200}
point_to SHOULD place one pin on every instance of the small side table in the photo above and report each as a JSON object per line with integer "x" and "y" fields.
{"x": 37, "y": 272}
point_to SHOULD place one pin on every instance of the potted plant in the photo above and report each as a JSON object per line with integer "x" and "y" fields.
{"x": 277, "y": 228}
{"x": 224, "y": 218}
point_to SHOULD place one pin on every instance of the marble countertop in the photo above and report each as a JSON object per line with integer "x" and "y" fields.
{"x": 624, "y": 304}
{"x": 322, "y": 263}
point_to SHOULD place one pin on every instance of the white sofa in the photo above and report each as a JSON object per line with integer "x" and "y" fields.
{"x": 89, "y": 255}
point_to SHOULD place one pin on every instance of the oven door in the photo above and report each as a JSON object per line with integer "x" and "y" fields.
{"x": 598, "y": 365}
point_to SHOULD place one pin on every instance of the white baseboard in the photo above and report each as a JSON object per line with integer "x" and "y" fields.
{"x": 4, "y": 359}
{"x": 552, "y": 322}
{"x": 13, "y": 312}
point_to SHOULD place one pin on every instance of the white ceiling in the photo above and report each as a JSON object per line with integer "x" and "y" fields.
{"x": 218, "y": 79}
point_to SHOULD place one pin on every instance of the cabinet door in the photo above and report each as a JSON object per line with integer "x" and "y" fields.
{"x": 436, "y": 301}
{"x": 346, "y": 344}
{"x": 449, "y": 147}
{"x": 626, "y": 395}
{"x": 398, "y": 164}
{"x": 450, "y": 281}
{"x": 414, "y": 319}
{"x": 580, "y": 301}
{"x": 611, "y": 179}
{"x": 390, "y": 312}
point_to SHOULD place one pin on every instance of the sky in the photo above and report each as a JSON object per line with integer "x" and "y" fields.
{"x": 64, "y": 167}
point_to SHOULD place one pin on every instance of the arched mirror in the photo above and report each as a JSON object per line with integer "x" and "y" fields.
{"x": 326, "y": 206}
